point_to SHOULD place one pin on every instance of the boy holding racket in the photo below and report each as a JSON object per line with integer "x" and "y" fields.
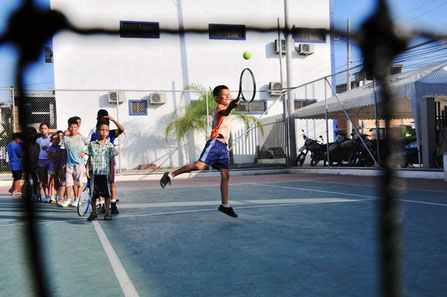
{"x": 103, "y": 115}
{"x": 99, "y": 168}
{"x": 215, "y": 153}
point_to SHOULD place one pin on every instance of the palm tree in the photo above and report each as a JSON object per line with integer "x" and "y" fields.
{"x": 193, "y": 117}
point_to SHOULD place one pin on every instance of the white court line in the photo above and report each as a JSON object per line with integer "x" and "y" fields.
{"x": 173, "y": 204}
{"x": 239, "y": 202}
{"x": 319, "y": 191}
{"x": 124, "y": 280}
{"x": 349, "y": 194}
{"x": 276, "y": 203}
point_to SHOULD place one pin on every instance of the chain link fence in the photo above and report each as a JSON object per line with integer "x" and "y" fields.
{"x": 325, "y": 112}
{"x": 353, "y": 119}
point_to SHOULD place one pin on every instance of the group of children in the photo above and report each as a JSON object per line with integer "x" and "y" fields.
{"x": 59, "y": 163}
{"x": 66, "y": 163}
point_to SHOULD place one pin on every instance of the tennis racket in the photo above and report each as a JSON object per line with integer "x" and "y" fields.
{"x": 247, "y": 86}
{"x": 120, "y": 139}
{"x": 84, "y": 201}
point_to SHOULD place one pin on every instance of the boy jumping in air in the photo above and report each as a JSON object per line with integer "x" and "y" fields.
{"x": 215, "y": 153}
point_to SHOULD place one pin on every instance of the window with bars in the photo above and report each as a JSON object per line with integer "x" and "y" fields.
{"x": 300, "y": 103}
{"x": 259, "y": 106}
{"x": 308, "y": 35}
{"x": 137, "y": 107}
{"x": 232, "y": 32}
{"x": 133, "y": 29}
{"x": 40, "y": 109}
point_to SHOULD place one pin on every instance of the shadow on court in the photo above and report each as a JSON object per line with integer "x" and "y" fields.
{"x": 296, "y": 235}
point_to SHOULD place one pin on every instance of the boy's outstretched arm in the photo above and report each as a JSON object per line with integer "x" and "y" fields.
{"x": 233, "y": 104}
{"x": 118, "y": 125}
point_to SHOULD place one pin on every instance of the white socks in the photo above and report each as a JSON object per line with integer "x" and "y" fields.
{"x": 170, "y": 176}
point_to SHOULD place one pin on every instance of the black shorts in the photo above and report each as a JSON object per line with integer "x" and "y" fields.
{"x": 101, "y": 186}
{"x": 17, "y": 174}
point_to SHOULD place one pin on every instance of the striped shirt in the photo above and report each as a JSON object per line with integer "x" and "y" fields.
{"x": 100, "y": 155}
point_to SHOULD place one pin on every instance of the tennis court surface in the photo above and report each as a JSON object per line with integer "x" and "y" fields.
{"x": 296, "y": 235}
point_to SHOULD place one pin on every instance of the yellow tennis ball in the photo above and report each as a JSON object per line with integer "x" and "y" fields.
{"x": 246, "y": 55}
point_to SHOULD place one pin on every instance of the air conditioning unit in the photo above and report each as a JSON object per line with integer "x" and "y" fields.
{"x": 113, "y": 97}
{"x": 157, "y": 98}
{"x": 275, "y": 88}
{"x": 305, "y": 49}
{"x": 283, "y": 46}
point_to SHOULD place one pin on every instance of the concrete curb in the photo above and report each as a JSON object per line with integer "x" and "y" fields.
{"x": 423, "y": 174}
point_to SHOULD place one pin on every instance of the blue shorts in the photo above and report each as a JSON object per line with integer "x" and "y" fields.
{"x": 215, "y": 154}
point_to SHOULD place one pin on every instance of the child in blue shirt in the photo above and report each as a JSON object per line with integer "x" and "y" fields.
{"x": 15, "y": 154}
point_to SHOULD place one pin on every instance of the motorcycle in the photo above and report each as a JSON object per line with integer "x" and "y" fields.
{"x": 318, "y": 153}
{"x": 310, "y": 145}
{"x": 334, "y": 150}
{"x": 363, "y": 156}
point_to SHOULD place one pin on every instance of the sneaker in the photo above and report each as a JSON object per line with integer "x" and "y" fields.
{"x": 107, "y": 217}
{"x": 16, "y": 194}
{"x": 165, "y": 179}
{"x": 92, "y": 217}
{"x": 227, "y": 210}
{"x": 53, "y": 200}
{"x": 103, "y": 209}
{"x": 74, "y": 203}
{"x": 66, "y": 203}
{"x": 46, "y": 199}
{"x": 115, "y": 210}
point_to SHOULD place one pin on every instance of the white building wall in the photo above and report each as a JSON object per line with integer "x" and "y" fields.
{"x": 172, "y": 62}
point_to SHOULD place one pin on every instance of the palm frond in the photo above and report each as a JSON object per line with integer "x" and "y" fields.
{"x": 193, "y": 117}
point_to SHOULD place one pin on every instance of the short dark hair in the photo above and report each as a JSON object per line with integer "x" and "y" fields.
{"x": 16, "y": 136}
{"x": 30, "y": 135}
{"x": 44, "y": 124}
{"x": 102, "y": 113}
{"x": 72, "y": 120}
{"x": 59, "y": 131}
{"x": 216, "y": 91}
{"x": 100, "y": 123}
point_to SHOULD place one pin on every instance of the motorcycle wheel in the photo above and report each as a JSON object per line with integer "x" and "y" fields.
{"x": 333, "y": 159}
{"x": 440, "y": 161}
{"x": 300, "y": 159}
{"x": 314, "y": 162}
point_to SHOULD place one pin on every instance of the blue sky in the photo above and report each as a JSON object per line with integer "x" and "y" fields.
{"x": 428, "y": 14}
